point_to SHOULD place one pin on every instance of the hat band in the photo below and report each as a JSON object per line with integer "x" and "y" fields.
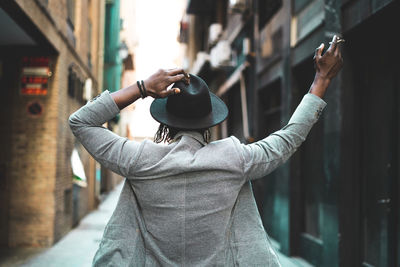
{"x": 193, "y": 113}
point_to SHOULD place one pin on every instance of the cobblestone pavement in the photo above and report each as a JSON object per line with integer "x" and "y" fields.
{"x": 75, "y": 249}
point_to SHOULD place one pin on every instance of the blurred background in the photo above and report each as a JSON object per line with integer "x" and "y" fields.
{"x": 334, "y": 203}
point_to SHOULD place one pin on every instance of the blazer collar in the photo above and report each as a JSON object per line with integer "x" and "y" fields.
{"x": 193, "y": 134}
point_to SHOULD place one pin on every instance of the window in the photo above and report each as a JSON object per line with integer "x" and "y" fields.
{"x": 71, "y": 21}
{"x": 75, "y": 86}
{"x": 267, "y": 9}
{"x": 298, "y": 5}
{"x": 89, "y": 54}
{"x": 71, "y": 13}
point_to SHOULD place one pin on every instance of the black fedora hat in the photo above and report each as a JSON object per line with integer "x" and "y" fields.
{"x": 195, "y": 107}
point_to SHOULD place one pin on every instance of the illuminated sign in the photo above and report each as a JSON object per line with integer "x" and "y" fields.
{"x": 35, "y": 75}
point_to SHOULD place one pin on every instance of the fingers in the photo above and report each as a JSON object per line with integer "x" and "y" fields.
{"x": 167, "y": 93}
{"x": 174, "y": 72}
{"x": 318, "y": 51}
{"x": 163, "y": 79}
{"x": 175, "y": 91}
{"x": 333, "y": 45}
{"x": 176, "y": 78}
{"x": 337, "y": 50}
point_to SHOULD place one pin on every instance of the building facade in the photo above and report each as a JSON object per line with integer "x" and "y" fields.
{"x": 51, "y": 63}
{"x": 335, "y": 202}
{"x": 129, "y": 38}
{"x": 112, "y": 73}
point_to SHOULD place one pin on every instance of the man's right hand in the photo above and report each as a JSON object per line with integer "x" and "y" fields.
{"x": 327, "y": 66}
{"x": 156, "y": 86}
{"x": 158, "y": 83}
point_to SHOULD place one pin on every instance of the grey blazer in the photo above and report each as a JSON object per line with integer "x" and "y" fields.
{"x": 187, "y": 203}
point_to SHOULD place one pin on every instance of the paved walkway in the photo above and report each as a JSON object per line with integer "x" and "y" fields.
{"x": 78, "y": 247}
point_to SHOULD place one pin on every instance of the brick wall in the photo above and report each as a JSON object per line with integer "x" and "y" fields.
{"x": 58, "y": 11}
{"x": 36, "y": 177}
{"x": 81, "y": 29}
{"x": 32, "y": 170}
{"x": 65, "y": 144}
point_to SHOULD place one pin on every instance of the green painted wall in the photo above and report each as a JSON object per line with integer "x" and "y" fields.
{"x": 112, "y": 62}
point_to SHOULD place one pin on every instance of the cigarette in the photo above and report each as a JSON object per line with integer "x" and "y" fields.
{"x": 338, "y": 41}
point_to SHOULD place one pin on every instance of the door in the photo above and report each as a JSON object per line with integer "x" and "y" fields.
{"x": 309, "y": 227}
{"x": 8, "y": 80}
{"x": 379, "y": 159}
{"x": 271, "y": 191}
{"x": 377, "y": 90}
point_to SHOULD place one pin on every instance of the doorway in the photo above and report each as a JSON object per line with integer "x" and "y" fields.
{"x": 310, "y": 219}
{"x": 376, "y": 92}
{"x": 270, "y": 192}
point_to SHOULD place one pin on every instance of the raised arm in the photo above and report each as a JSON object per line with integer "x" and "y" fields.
{"x": 115, "y": 152}
{"x": 264, "y": 156}
{"x": 156, "y": 86}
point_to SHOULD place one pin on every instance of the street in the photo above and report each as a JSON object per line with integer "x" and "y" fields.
{"x": 78, "y": 247}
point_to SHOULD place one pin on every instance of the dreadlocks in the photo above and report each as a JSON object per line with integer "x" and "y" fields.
{"x": 166, "y": 134}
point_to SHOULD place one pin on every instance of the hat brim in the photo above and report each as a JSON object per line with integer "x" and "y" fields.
{"x": 218, "y": 114}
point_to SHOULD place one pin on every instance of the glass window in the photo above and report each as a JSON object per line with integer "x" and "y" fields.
{"x": 71, "y": 12}
{"x": 267, "y": 9}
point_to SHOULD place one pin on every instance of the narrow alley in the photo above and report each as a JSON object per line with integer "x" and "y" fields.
{"x": 334, "y": 203}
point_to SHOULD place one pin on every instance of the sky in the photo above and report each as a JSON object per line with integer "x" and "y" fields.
{"x": 157, "y": 25}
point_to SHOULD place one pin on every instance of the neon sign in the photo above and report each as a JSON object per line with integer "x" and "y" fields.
{"x": 35, "y": 76}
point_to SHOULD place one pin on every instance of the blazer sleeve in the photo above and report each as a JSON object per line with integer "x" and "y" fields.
{"x": 262, "y": 157}
{"x": 112, "y": 151}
